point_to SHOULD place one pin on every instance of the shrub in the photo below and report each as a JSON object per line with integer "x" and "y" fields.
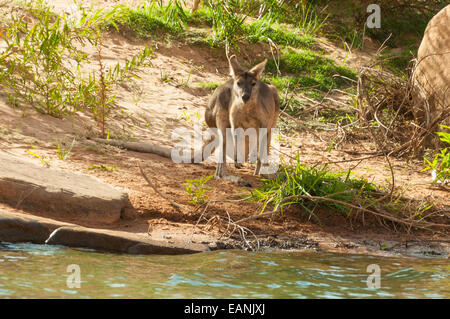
{"x": 441, "y": 162}
{"x": 317, "y": 181}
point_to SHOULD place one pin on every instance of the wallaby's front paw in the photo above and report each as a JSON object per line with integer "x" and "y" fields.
{"x": 238, "y": 165}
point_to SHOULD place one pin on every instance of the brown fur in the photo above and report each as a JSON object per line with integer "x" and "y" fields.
{"x": 242, "y": 102}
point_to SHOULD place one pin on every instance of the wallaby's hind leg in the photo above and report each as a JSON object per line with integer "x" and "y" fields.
{"x": 235, "y": 149}
{"x": 263, "y": 159}
{"x": 221, "y": 170}
{"x": 258, "y": 153}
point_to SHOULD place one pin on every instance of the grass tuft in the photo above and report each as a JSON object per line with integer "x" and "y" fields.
{"x": 313, "y": 181}
{"x": 309, "y": 69}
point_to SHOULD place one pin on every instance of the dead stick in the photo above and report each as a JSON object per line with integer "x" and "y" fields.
{"x": 174, "y": 204}
{"x": 326, "y": 199}
{"x": 137, "y": 146}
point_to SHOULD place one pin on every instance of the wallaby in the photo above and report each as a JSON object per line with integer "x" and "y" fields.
{"x": 243, "y": 102}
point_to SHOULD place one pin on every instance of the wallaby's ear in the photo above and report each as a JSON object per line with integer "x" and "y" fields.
{"x": 235, "y": 68}
{"x": 258, "y": 69}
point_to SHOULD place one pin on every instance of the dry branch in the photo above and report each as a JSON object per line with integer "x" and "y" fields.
{"x": 396, "y": 112}
{"x": 173, "y": 203}
{"x": 414, "y": 223}
{"x": 137, "y": 146}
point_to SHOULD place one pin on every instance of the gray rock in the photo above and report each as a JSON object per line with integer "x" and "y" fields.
{"x": 58, "y": 193}
{"x": 17, "y": 227}
{"x": 117, "y": 241}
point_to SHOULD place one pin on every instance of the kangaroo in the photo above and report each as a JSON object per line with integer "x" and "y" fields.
{"x": 243, "y": 102}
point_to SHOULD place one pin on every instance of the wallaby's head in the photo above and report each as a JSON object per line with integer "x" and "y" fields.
{"x": 245, "y": 81}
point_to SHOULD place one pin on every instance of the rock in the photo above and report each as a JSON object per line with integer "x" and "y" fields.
{"x": 129, "y": 213}
{"x": 116, "y": 241}
{"x": 17, "y": 227}
{"x": 57, "y": 193}
{"x": 433, "y": 68}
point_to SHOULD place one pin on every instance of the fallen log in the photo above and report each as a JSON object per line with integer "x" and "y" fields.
{"x": 137, "y": 146}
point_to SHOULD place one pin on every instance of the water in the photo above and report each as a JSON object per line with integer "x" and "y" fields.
{"x": 40, "y": 271}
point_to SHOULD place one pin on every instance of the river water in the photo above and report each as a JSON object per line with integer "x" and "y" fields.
{"x": 44, "y": 271}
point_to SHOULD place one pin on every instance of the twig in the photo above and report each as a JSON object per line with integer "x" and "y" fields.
{"x": 174, "y": 204}
{"x": 385, "y": 216}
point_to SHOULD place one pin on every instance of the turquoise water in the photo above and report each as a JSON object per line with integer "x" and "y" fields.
{"x": 40, "y": 271}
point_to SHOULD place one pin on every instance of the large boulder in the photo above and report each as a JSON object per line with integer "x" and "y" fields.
{"x": 433, "y": 62}
{"x": 59, "y": 194}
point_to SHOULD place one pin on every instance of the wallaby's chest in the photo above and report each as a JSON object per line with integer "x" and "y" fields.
{"x": 245, "y": 116}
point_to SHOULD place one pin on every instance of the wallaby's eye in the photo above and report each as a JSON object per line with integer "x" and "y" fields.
{"x": 253, "y": 83}
{"x": 239, "y": 83}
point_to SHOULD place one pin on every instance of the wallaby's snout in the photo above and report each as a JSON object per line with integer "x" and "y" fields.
{"x": 246, "y": 94}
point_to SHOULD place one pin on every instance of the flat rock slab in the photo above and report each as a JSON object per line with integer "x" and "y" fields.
{"x": 57, "y": 193}
{"x": 16, "y": 227}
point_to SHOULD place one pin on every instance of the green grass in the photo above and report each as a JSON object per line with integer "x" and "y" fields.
{"x": 313, "y": 181}
{"x": 63, "y": 151}
{"x": 440, "y": 164}
{"x": 399, "y": 63}
{"x": 309, "y": 69}
{"x": 404, "y": 20}
{"x": 404, "y": 25}
{"x": 208, "y": 85}
{"x": 258, "y": 32}
{"x": 220, "y": 26}
{"x": 153, "y": 20}
{"x": 197, "y": 189}
{"x": 309, "y": 73}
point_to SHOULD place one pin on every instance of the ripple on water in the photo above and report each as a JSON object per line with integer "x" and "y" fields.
{"x": 273, "y": 286}
{"x": 5, "y": 292}
{"x": 304, "y": 284}
{"x": 221, "y": 260}
{"x": 50, "y": 289}
{"x": 176, "y": 280}
{"x": 385, "y": 294}
{"x": 270, "y": 263}
{"x": 14, "y": 258}
{"x": 331, "y": 295}
{"x": 34, "y": 249}
{"x": 405, "y": 273}
{"x": 117, "y": 285}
